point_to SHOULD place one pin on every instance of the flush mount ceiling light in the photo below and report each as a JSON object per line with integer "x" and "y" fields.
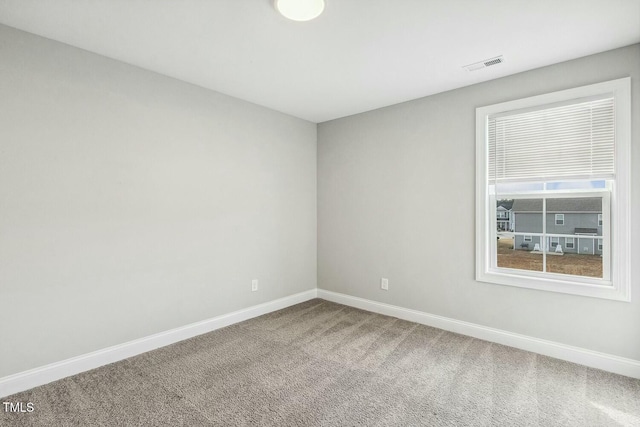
{"x": 300, "y": 10}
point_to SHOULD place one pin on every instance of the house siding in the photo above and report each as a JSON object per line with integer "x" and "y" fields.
{"x": 532, "y": 223}
{"x": 571, "y": 222}
{"x": 519, "y": 240}
{"x": 529, "y": 222}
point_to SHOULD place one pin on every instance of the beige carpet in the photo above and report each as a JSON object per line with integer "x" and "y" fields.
{"x": 325, "y": 364}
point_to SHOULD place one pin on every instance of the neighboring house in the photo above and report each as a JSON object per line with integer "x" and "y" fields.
{"x": 504, "y": 215}
{"x": 578, "y": 217}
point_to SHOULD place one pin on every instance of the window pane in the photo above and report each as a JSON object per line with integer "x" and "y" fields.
{"x": 575, "y": 185}
{"x": 578, "y": 261}
{"x": 573, "y": 243}
{"x": 569, "y": 243}
{"x": 518, "y": 187}
{"x": 520, "y": 246}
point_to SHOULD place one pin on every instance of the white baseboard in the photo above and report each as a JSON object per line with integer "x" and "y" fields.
{"x": 55, "y": 371}
{"x": 593, "y": 359}
{"x": 58, "y": 370}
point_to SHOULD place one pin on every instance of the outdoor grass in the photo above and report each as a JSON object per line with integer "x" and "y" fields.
{"x": 574, "y": 264}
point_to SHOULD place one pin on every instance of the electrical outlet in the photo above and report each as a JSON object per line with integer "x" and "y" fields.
{"x": 254, "y": 285}
{"x": 384, "y": 284}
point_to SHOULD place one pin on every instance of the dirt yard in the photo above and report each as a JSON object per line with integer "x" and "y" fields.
{"x": 578, "y": 265}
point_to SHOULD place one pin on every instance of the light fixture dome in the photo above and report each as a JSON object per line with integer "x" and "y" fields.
{"x": 300, "y": 10}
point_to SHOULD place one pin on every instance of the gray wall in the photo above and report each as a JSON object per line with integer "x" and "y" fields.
{"x": 132, "y": 203}
{"x": 396, "y": 199}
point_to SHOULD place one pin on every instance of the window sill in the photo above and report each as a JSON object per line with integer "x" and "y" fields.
{"x": 555, "y": 283}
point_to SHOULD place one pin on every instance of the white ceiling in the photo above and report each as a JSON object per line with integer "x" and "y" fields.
{"x": 357, "y": 56}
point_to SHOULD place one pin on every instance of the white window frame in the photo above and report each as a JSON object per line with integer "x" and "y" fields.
{"x": 566, "y": 243}
{"x": 561, "y": 218}
{"x": 619, "y": 249}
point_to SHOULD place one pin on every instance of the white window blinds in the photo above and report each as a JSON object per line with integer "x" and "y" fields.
{"x": 571, "y": 141}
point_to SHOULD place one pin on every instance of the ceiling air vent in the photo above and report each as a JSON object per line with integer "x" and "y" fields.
{"x": 484, "y": 64}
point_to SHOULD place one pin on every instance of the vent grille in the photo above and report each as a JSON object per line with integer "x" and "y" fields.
{"x": 493, "y": 62}
{"x": 484, "y": 64}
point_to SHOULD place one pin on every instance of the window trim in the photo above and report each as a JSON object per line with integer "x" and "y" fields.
{"x": 620, "y": 288}
{"x": 561, "y": 218}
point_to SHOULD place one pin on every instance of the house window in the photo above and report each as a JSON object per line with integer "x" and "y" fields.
{"x": 558, "y": 158}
